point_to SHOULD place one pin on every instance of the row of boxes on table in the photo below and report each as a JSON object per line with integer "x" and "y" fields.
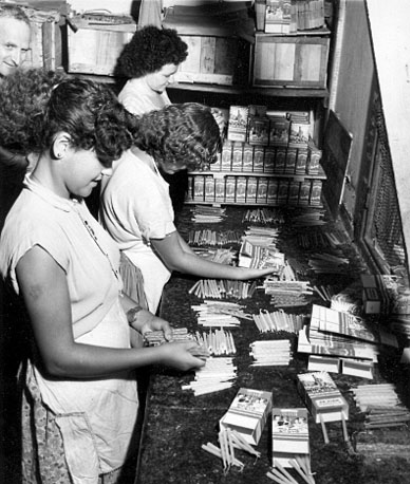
{"x": 232, "y": 189}
{"x": 243, "y": 157}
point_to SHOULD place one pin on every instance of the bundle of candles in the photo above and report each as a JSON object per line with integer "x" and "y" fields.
{"x": 220, "y": 313}
{"x": 213, "y": 237}
{"x": 309, "y": 217}
{"x": 326, "y": 292}
{"x": 328, "y": 263}
{"x": 261, "y": 236}
{"x": 287, "y": 291}
{"x": 287, "y": 273}
{"x": 155, "y": 338}
{"x": 222, "y": 288}
{"x": 283, "y": 301}
{"x": 217, "y": 342}
{"x": 206, "y": 214}
{"x": 229, "y": 440}
{"x": 301, "y": 464}
{"x": 218, "y": 374}
{"x": 313, "y": 239}
{"x": 264, "y": 215}
{"x": 271, "y": 353}
{"x": 322, "y": 238}
{"x": 382, "y": 405}
{"x": 298, "y": 267}
{"x": 278, "y": 321}
{"x": 274, "y": 287}
{"x": 222, "y": 256}
{"x": 260, "y": 257}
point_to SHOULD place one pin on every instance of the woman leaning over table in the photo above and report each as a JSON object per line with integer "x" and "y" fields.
{"x": 135, "y": 205}
{"x": 80, "y": 399}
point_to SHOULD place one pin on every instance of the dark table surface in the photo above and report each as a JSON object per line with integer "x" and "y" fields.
{"x": 177, "y": 423}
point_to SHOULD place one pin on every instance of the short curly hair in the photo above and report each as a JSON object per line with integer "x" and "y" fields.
{"x": 93, "y": 117}
{"x": 179, "y": 134}
{"x": 23, "y": 96}
{"x": 149, "y": 50}
{"x": 35, "y": 105}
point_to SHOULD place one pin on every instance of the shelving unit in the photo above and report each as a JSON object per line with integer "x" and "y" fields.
{"x": 285, "y": 92}
{"x": 228, "y": 64}
{"x": 285, "y": 73}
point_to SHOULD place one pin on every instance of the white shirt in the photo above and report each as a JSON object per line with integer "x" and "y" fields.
{"x": 136, "y": 207}
{"x": 138, "y": 98}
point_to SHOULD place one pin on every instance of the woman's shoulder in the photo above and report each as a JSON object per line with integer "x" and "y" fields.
{"x": 138, "y": 99}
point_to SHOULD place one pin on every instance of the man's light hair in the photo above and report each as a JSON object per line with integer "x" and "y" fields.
{"x": 8, "y": 10}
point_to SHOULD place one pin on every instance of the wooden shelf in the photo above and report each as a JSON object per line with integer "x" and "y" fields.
{"x": 246, "y": 90}
{"x": 294, "y": 176}
{"x": 251, "y": 204}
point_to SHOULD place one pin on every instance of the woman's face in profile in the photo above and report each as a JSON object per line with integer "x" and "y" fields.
{"x": 159, "y": 80}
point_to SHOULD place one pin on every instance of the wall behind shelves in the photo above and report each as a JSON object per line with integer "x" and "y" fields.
{"x": 351, "y": 99}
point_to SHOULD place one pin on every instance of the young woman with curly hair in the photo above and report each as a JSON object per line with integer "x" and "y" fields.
{"x": 149, "y": 60}
{"x": 80, "y": 400}
{"x": 136, "y": 208}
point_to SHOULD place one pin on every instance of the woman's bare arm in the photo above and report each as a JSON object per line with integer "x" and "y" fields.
{"x": 177, "y": 257}
{"x": 44, "y": 288}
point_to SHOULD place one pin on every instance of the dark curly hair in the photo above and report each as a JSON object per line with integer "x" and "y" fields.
{"x": 91, "y": 114}
{"x": 149, "y": 50}
{"x": 180, "y": 134}
{"x": 23, "y": 96}
{"x": 35, "y": 105}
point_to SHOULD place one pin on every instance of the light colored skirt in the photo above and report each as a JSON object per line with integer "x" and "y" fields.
{"x": 43, "y": 458}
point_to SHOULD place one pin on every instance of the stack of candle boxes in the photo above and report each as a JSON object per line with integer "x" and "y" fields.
{"x": 268, "y": 157}
{"x": 248, "y": 414}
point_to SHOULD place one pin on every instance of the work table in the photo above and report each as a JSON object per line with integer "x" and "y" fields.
{"x": 177, "y": 423}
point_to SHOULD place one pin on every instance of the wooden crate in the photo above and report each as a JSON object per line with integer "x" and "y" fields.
{"x": 298, "y": 62}
{"x": 45, "y": 45}
{"x": 94, "y": 49}
{"x": 215, "y": 60}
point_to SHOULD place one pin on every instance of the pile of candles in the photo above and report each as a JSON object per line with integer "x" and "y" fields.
{"x": 278, "y": 321}
{"x": 212, "y": 237}
{"x": 217, "y": 342}
{"x": 222, "y": 288}
{"x": 220, "y": 313}
{"x": 218, "y": 374}
{"x": 271, "y": 353}
{"x": 229, "y": 440}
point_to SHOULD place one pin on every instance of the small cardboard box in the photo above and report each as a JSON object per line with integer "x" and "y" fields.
{"x": 322, "y": 397}
{"x": 290, "y": 435}
{"x": 248, "y": 414}
{"x": 298, "y": 62}
{"x": 238, "y": 123}
{"x": 215, "y": 60}
{"x": 94, "y": 49}
{"x": 375, "y": 300}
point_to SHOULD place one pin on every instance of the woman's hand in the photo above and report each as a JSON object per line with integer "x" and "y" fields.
{"x": 180, "y": 355}
{"x": 145, "y": 322}
{"x": 245, "y": 273}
